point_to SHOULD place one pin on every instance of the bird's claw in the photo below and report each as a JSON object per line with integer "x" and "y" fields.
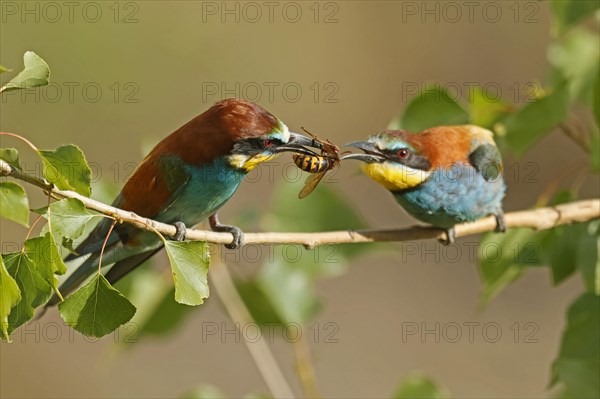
{"x": 500, "y": 223}
{"x": 236, "y": 232}
{"x": 238, "y": 237}
{"x": 450, "y": 237}
{"x": 181, "y": 231}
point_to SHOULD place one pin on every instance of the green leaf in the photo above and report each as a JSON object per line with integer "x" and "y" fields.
{"x": 258, "y": 303}
{"x": 10, "y": 156}
{"x": 524, "y": 127}
{"x": 578, "y": 363}
{"x": 485, "y": 111}
{"x": 432, "y": 107}
{"x": 503, "y": 257}
{"x": 67, "y": 243}
{"x": 96, "y": 309}
{"x": 44, "y": 254}
{"x": 167, "y": 316}
{"x": 10, "y": 295}
{"x": 419, "y": 387}
{"x": 14, "y": 202}
{"x": 35, "y": 291}
{"x": 588, "y": 257}
{"x": 189, "y": 264}
{"x": 559, "y": 248}
{"x": 67, "y": 169}
{"x": 290, "y": 291}
{"x": 40, "y": 211}
{"x": 3, "y": 69}
{"x": 36, "y": 73}
{"x": 577, "y": 58}
{"x": 68, "y": 217}
{"x": 568, "y": 12}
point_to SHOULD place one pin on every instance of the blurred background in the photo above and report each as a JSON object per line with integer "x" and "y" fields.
{"x": 126, "y": 74}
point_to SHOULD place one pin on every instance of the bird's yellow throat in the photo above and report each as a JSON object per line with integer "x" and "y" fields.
{"x": 395, "y": 177}
{"x": 244, "y": 162}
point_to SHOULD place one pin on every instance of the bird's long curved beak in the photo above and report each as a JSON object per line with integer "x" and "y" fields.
{"x": 298, "y": 143}
{"x": 300, "y": 139}
{"x": 371, "y": 153}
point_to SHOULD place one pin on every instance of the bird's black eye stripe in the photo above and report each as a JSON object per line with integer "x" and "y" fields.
{"x": 262, "y": 143}
{"x": 255, "y": 144}
{"x": 270, "y": 142}
{"x": 408, "y": 158}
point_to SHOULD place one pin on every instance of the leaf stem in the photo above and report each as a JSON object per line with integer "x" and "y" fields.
{"x": 575, "y": 135}
{"x": 305, "y": 369}
{"x": 29, "y": 143}
{"x": 37, "y": 219}
{"x": 112, "y": 226}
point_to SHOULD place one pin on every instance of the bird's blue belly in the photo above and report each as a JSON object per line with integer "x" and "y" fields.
{"x": 455, "y": 195}
{"x": 209, "y": 187}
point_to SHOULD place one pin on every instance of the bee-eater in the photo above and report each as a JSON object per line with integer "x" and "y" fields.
{"x": 185, "y": 179}
{"x": 442, "y": 176}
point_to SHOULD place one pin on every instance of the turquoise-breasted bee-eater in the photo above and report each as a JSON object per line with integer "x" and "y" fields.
{"x": 185, "y": 179}
{"x": 442, "y": 176}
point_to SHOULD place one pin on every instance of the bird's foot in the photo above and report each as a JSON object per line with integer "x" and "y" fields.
{"x": 236, "y": 232}
{"x": 450, "y": 237}
{"x": 181, "y": 231}
{"x": 500, "y": 222}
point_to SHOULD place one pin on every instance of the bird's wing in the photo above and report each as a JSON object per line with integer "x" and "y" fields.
{"x": 164, "y": 179}
{"x": 487, "y": 160}
{"x": 155, "y": 185}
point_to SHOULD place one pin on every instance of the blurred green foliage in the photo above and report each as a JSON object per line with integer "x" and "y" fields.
{"x": 567, "y": 13}
{"x": 419, "y": 387}
{"x": 527, "y": 125}
{"x": 283, "y": 291}
{"x": 578, "y": 364}
{"x": 434, "y": 106}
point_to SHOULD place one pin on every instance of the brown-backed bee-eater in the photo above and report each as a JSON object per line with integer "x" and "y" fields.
{"x": 185, "y": 179}
{"x": 442, "y": 176}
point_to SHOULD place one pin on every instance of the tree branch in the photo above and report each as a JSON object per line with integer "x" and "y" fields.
{"x": 539, "y": 219}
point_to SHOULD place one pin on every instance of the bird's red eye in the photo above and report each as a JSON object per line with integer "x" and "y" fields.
{"x": 268, "y": 143}
{"x": 402, "y": 153}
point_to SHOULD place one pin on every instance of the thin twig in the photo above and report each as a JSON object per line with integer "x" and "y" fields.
{"x": 305, "y": 369}
{"x": 539, "y": 219}
{"x": 576, "y": 135}
{"x": 261, "y": 354}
